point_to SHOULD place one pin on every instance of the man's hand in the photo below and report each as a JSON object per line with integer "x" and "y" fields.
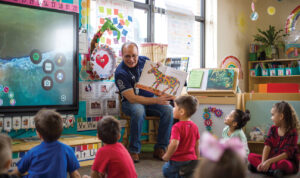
{"x": 158, "y": 64}
{"x": 164, "y": 99}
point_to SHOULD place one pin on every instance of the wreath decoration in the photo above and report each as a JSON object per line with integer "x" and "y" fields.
{"x": 218, "y": 113}
{"x": 206, "y": 115}
{"x": 101, "y": 60}
{"x": 208, "y": 122}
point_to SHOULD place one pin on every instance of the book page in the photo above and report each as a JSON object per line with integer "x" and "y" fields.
{"x": 220, "y": 79}
{"x": 161, "y": 80}
{"x": 173, "y": 81}
{"x": 149, "y": 76}
{"x": 195, "y": 79}
{"x": 202, "y": 81}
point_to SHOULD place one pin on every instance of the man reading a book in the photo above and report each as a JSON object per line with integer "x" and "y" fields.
{"x": 137, "y": 102}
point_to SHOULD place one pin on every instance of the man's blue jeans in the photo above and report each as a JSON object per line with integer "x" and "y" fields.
{"x": 137, "y": 113}
{"x": 171, "y": 168}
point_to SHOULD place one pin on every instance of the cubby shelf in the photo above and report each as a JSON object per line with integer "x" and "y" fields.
{"x": 255, "y": 80}
{"x": 286, "y": 76}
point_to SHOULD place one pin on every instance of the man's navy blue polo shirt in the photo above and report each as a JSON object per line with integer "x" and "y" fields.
{"x": 126, "y": 78}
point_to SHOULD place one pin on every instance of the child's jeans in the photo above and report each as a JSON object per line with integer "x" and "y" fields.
{"x": 284, "y": 165}
{"x": 171, "y": 168}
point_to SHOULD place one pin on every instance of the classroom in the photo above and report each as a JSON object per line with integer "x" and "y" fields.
{"x": 150, "y": 88}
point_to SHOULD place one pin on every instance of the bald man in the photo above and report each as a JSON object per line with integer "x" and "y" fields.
{"x": 137, "y": 102}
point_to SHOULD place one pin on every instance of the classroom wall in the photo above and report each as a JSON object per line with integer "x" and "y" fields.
{"x": 235, "y": 29}
{"x": 283, "y": 10}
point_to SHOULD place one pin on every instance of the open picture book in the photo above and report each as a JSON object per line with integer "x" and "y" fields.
{"x": 213, "y": 81}
{"x": 161, "y": 79}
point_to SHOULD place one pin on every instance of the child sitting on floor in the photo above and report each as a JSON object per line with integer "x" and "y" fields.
{"x": 5, "y": 155}
{"x": 51, "y": 158}
{"x": 184, "y": 141}
{"x": 225, "y": 158}
{"x": 235, "y": 121}
{"x": 280, "y": 151}
{"x": 112, "y": 159}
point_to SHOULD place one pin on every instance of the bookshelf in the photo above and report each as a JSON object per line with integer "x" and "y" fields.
{"x": 255, "y": 80}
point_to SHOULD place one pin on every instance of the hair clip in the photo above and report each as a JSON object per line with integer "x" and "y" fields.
{"x": 213, "y": 149}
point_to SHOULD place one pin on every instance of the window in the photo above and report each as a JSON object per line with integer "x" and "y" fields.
{"x": 160, "y": 31}
{"x": 142, "y": 1}
{"x": 140, "y": 25}
{"x": 153, "y": 27}
{"x": 161, "y": 27}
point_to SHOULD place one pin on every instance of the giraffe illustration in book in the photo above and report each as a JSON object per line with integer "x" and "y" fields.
{"x": 163, "y": 79}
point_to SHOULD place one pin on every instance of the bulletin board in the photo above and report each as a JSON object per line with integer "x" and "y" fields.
{"x": 121, "y": 14}
{"x": 260, "y": 106}
{"x": 225, "y": 104}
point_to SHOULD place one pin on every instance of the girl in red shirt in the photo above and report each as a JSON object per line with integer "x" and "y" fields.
{"x": 280, "y": 151}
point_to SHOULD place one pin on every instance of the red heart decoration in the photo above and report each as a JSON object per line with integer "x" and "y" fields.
{"x": 70, "y": 120}
{"x": 102, "y": 61}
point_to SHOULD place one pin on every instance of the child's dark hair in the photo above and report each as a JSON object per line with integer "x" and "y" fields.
{"x": 108, "y": 129}
{"x": 5, "y": 151}
{"x": 289, "y": 114}
{"x": 49, "y": 124}
{"x": 241, "y": 118}
{"x": 188, "y": 103}
{"x": 229, "y": 165}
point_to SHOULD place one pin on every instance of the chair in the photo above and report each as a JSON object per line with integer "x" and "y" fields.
{"x": 152, "y": 127}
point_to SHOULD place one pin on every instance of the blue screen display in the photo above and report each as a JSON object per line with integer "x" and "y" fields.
{"x": 38, "y": 57}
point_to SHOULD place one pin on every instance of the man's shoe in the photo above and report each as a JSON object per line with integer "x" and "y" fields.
{"x": 159, "y": 153}
{"x": 135, "y": 157}
{"x": 252, "y": 168}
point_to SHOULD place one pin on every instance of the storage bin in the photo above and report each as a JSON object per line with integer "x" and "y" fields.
{"x": 265, "y": 72}
{"x": 255, "y": 72}
{"x": 154, "y": 51}
{"x": 273, "y": 72}
{"x": 292, "y": 71}
{"x": 280, "y": 72}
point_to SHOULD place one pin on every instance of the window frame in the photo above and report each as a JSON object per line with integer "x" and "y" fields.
{"x": 149, "y": 6}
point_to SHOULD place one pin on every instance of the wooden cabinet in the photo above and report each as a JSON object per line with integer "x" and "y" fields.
{"x": 255, "y": 80}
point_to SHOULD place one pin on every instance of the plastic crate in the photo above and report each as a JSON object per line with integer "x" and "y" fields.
{"x": 280, "y": 72}
{"x": 273, "y": 72}
{"x": 265, "y": 72}
{"x": 255, "y": 72}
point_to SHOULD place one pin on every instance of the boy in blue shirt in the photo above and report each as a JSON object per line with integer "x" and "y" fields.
{"x": 51, "y": 158}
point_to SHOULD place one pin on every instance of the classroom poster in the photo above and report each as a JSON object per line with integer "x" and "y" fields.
{"x": 180, "y": 33}
{"x": 121, "y": 14}
{"x": 101, "y": 98}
